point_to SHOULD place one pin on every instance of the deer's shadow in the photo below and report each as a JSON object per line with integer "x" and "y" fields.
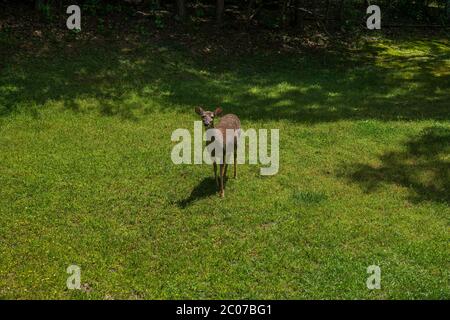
{"x": 207, "y": 187}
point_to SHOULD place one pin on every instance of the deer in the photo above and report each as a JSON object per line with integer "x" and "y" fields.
{"x": 228, "y": 121}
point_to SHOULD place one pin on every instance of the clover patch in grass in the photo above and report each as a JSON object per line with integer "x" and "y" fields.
{"x": 309, "y": 197}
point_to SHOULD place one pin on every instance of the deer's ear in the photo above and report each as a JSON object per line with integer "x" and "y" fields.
{"x": 199, "y": 110}
{"x": 218, "y": 111}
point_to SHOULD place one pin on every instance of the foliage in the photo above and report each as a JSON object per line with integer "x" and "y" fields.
{"x": 45, "y": 9}
{"x": 274, "y": 14}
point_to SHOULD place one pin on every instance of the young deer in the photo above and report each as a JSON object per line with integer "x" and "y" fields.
{"x": 228, "y": 121}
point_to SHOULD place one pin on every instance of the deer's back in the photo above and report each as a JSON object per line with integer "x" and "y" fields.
{"x": 229, "y": 121}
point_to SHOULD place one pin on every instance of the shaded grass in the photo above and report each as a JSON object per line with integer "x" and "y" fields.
{"x": 86, "y": 176}
{"x": 424, "y": 167}
{"x": 308, "y": 197}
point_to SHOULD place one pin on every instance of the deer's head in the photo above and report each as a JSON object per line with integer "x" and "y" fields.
{"x": 208, "y": 116}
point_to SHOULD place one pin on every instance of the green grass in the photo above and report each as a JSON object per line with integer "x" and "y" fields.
{"x": 308, "y": 197}
{"x": 86, "y": 176}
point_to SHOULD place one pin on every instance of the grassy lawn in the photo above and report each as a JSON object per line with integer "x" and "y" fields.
{"x": 86, "y": 176}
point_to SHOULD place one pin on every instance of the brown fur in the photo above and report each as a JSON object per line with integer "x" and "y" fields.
{"x": 228, "y": 121}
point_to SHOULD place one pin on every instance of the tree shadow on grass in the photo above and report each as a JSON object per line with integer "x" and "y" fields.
{"x": 423, "y": 168}
{"x": 327, "y": 86}
{"x": 207, "y": 187}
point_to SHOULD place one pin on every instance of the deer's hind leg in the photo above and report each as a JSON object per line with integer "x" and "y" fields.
{"x": 235, "y": 159}
{"x": 215, "y": 173}
{"x": 222, "y": 171}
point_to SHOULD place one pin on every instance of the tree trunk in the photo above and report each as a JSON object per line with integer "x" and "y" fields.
{"x": 327, "y": 10}
{"x": 447, "y": 9}
{"x": 341, "y": 10}
{"x": 250, "y": 6}
{"x": 220, "y": 6}
{"x": 181, "y": 10}
{"x": 298, "y": 15}
{"x": 283, "y": 13}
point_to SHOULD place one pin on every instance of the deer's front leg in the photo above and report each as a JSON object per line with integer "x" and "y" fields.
{"x": 221, "y": 193}
{"x": 215, "y": 173}
{"x": 235, "y": 163}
